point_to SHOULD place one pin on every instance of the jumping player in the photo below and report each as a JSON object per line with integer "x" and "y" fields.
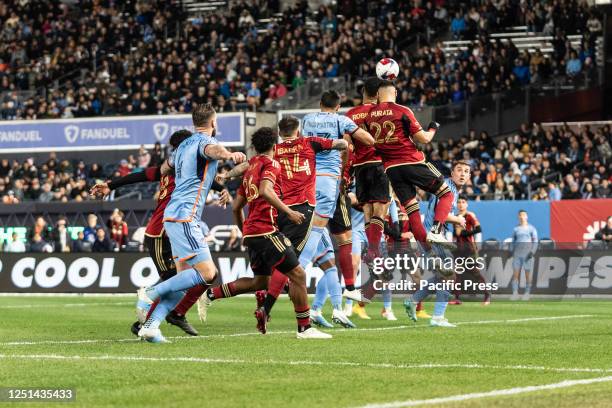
{"x": 195, "y": 164}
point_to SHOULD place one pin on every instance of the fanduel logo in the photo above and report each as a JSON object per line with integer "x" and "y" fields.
{"x": 72, "y": 133}
{"x": 160, "y": 130}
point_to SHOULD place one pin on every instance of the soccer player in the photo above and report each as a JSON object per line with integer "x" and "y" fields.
{"x": 466, "y": 245}
{"x": 330, "y": 125}
{"x": 195, "y": 164}
{"x": 156, "y": 240}
{"x": 372, "y": 185}
{"x": 297, "y": 157}
{"x": 524, "y": 246}
{"x": 396, "y": 132}
{"x": 460, "y": 175}
{"x": 268, "y": 248}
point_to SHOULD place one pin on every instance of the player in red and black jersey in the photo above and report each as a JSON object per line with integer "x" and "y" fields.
{"x": 268, "y": 247}
{"x": 396, "y": 132}
{"x": 371, "y": 182}
{"x": 467, "y": 247}
{"x": 156, "y": 240}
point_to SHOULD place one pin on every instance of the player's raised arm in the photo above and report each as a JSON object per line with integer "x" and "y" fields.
{"x": 218, "y": 152}
{"x": 423, "y": 136}
{"x": 356, "y": 133}
{"x": 339, "y": 144}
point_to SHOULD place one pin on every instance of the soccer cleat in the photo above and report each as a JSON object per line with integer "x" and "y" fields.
{"x": 340, "y": 318}
{"x": 262, "y": 320}
{"x": 439, "y": 238}
{"x": 515, "y": 296}
{"x": 422, "y": 314}
{"x": 317, "y": 318}
{"x": 260, "y": 296}
{"x": 456, "y": 302}
{"x": 526, "y": 296}
{"x": 410, "y": 307}
{"x": 361, "y": 312}
{"x": 142, "y": 305}
{"x": 355, "y": 295}
{"x": 152, "y": 335}
{"x": 135, "y": 328}
{"x": 388, "y": 314}
{"x": 440, "y": 322}
{"x": 203, "y": 304}
{"x": 181, "y": 322}
{"x": 313, "y": 333}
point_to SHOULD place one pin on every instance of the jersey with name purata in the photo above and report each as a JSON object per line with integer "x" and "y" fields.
{"x": 392, "y": 126}
{"x": 155, "y": 226}
{"x": 364, "y": 154}
{"x": 328, "y": 125}
{"x": 194, "y": 173}
{"x": 261, "y": 219}
{"x": 297, "y": 159}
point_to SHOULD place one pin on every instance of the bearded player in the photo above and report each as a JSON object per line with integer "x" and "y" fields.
{"x": 396, "y": 132}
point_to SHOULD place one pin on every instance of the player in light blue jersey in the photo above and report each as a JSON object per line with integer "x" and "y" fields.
{"x": 524, "y": 246}
{"x": 329, "y": 167}
{"x": 460, "y": 175}
{"x": 194, "y": 163}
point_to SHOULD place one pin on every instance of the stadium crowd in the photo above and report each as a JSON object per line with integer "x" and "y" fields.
{"x": 131, "y": 57}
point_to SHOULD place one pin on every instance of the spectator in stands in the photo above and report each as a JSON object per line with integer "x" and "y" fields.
{"x": 38, "y": 244}
{"x": 91, "y": 228}
{"x": 41, "y": 228}
{"x": 574, "y": 65}
{"x": 118, "y": 228}
{"x": 157, "y": 156}
{"x": 458, "y": 26}
{"x": 588, "y": 191}
{"x": 10, "y": 198}
{"x": 81, "y": 244}
{"x": 605, "y": 234}
{"x": 46, "y": 195}
{"x": 144, "y": 158}
{"x": 62, "y": 241}
{"x": 604, "y": 191}
{"x": 15, "y": 245}
{"x": 102, "y": 243}
{"x": 554, "y": 194}
{"x": 124, "y": 168}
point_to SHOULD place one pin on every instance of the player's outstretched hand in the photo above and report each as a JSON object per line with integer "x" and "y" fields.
{"x": 238, "y": 157}
{"x": 296, "y": 217}
{"x": 224, "y": 198}
{"x": 100, "y": 190}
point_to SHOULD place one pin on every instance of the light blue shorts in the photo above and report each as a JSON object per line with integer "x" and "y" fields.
{"x": 521, "y": 262}
{"x": 327, "y": 190}
{"x": 188, "y": 242}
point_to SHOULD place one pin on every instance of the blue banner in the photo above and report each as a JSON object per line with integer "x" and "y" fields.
{"x": 121, "y": 132}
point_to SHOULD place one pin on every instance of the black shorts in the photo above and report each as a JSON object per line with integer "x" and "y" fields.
{"x": 297, "y": 233}
{"x": 161, "y": 253}
{"x": 405, "y": 178}
{"x": 372, "y": 184}
{"x": 341, "y": 221}
{"x": 270, "y": 251}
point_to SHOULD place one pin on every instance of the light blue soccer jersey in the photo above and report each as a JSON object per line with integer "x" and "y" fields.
{"x": 329, "y": 125}
{"x": 524, "y": 240}
{"x": 194, "y": 174}
{"x": 432, "y": 201}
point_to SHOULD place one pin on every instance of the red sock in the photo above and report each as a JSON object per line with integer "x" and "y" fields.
{"x": 152, "y": 308}
{"x": 445, "y": 202}
{"x": 419, "y": 306}
{"x": 224, "y": 291}
{"x": 345, "y": 262}
{"x": 190, "y": 298}
{"x": 416, "y": 225}
{"x": 374, "y": 234}
{"x": 278, "y": 280}
{"x": 302, "y": 314}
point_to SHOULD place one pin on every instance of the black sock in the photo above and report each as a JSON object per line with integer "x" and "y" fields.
{"x": 436, "y": 228}
{"x": 303, "y": 328}
{"x": 210, "y": 295}
{"x": 350, "y": 287}
{"x": 268, "y": 303}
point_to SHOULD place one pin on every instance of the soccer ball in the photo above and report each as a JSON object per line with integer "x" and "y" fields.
{"x": 387, "y": 69}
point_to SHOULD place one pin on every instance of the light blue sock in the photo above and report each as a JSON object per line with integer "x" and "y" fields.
{"x": 528, "y": 288}
{"x": 333, "y": 286}
{"x": 181, "y": 281}
{"x": 515, "y": 285}
{"x": 421, "y": 294}
{"x": 442, "y": 297}
{"x": 320, "y": 294}
{"x": 387, "y": 301}
{"x": 167, "y": 303}
{"x": 310, "y": 249}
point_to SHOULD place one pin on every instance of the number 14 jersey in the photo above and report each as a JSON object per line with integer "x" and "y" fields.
{"x": 297, "y": 158}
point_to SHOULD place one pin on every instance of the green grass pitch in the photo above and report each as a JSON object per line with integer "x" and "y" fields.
{"x": 84, "y": 343}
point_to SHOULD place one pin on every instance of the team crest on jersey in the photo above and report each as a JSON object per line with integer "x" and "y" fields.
{"x": 287, "y": 242}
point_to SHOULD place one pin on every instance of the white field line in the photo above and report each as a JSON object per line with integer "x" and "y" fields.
{"x": 222, "y": 336}
{"x": 207, "y": 360}
{"x": 494, "y": 393}
{"x": 42, "y": 305}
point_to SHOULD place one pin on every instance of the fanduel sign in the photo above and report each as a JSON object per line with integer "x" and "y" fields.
{"x": 108, "y": 132}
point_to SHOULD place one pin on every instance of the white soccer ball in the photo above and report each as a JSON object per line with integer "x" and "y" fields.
{"x": 387, "y": 69}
